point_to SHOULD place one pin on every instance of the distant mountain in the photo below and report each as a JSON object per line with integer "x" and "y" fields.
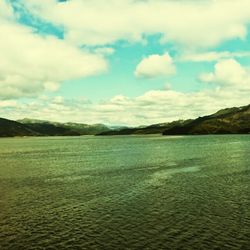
{"x": 32, "y": 127}
{"x": 56, "y": 128}
{"x": 85, "y": 129}
{"x": 47, "y": 129}
{"x": 10, "y": 128}
{"x": 152, "y": 129}
{"x": 225, "y": 121}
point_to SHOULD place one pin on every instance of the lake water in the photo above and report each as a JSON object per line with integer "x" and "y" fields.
{"x": 134, "y": 192}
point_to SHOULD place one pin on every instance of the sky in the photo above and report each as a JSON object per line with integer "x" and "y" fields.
{"x": 123, "y": 62}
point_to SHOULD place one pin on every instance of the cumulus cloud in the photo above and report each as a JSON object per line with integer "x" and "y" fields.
{"x": 155, "y": 66}
{"x": 228, "y": 73}
{"x": 189, "y": 23}
{"x": 231, "y": 88}
{"x": 31, "y": 63}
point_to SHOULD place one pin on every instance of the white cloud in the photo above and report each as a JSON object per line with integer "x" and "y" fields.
{"x": 231, "y": 89}
{"x": 212, "y": 56}
{"x": 31, "y": 63}
{"x": 51, "y": 86}
{"x": 6, "y": 10}
{"x": 58, "y": 100}
{"x": 155, "y": 66}
{"x": 154, "y": 106}
{"x": 228, "y": 73}
{"x": 190, "y": 23}
{"x": 157, "y": 106}
{"x": 106, "y": 51}
{"x": 8, "y": 103}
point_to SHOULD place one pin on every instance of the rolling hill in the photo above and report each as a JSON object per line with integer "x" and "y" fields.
{"x": 52, "y": 128}
{"x": 225, "y": 121}
{"x": 145, "y": 130}
{"x": 32, "y": 127}
{"x": 10, "y": 128}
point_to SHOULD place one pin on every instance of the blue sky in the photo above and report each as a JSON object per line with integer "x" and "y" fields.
{"x": 127, "y": 63}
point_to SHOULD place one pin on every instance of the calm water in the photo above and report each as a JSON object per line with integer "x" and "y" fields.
{"x": 125, "y": 192}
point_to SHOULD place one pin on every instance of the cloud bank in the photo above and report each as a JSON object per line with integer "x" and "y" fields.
{"x": 188, "y": 23}
{"x": 231, "y": 88}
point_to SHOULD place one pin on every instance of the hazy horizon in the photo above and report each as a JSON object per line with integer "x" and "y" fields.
{"x": 109, "y": 125}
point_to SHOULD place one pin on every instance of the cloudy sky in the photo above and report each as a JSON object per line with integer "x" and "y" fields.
{"x": 128, "y": 62}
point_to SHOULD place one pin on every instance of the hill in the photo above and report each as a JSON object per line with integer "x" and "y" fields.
{"x": 10, "y": 128}
{"x": 56, "y": 128}
{"x": 32, "y": 127}
{"x": 225, "y": 121}
{"x": 152, "y": 129}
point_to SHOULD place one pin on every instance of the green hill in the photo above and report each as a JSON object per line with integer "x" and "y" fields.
{"x": 32, "y": 127}
{"x": 152, "y": 129}
{"x": 10, "y": 128}
{"x": 57, "y": 128}
{"x": 226, "y": 121}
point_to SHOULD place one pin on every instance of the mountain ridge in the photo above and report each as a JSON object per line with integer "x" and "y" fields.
{"x": 234, "y": 120}
{"x": 35, "y": 127}
{"x": 216, "y": 123}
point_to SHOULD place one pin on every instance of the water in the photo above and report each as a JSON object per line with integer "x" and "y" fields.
{"x": 129, "y": 192}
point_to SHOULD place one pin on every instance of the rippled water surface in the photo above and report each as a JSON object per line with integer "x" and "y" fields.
{"x": 130, "y": 192}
